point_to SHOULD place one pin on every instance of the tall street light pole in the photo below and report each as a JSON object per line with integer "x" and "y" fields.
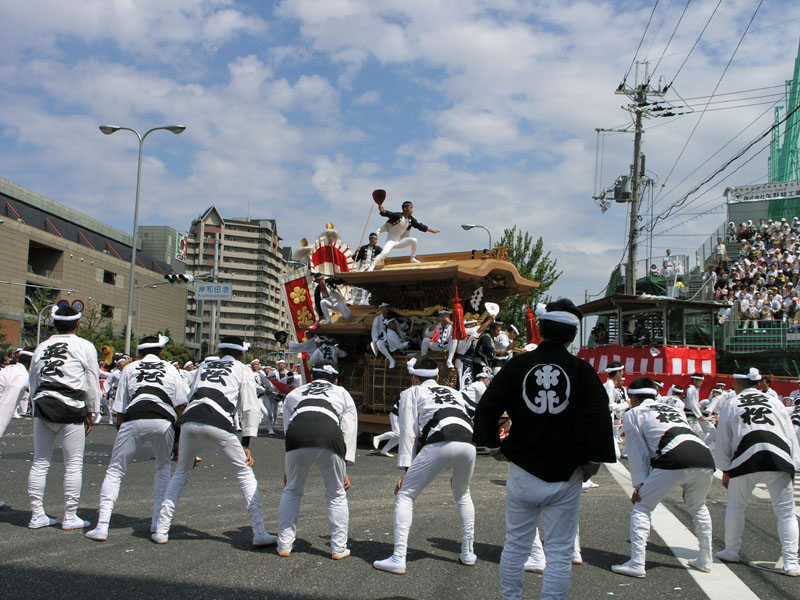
{"x": 468, "y": 227}
{"x": 108, "y": 130}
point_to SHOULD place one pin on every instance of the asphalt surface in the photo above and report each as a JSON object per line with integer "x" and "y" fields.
{"x": 209, "y": 554}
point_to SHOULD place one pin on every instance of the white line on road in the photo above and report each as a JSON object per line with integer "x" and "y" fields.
{"x": 721, "y": 583}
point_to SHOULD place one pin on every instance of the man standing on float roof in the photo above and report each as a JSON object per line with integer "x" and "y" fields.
{"x": 397, "y": 226}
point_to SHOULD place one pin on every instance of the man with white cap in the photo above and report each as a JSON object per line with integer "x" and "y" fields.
{"x": 320, "y": 424}
{"x": 756, "y": 444}
{"x": 691, "y": 401}
{"x": 795, "y": 394}
{"x": 110, "y": 391}
{"x": 151, "y": 396}
{"x": 504, "y": 341}
{"x": 188, "y": 373}
{"x": 561, "y": 434}
{"x": 663, "y": 454}
{"x": 439, "y": 337}
{"x": 617, "y": 399}
{"x": 435, "y": 435}
{"x": 385, "y": 337}
{"x": 673, "y": 397}
{"x": 65, "y": 391}
{"x": 221, "y": 388}
{"x": 391, "y": 437}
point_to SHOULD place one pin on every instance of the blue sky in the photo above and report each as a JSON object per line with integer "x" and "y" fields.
{"x": 478, "y": 111}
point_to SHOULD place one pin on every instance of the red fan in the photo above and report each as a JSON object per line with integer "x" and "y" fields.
{"x": 379, "y": 196}
{"x": 459, "y": 331}
{"x": 531, "y": 328}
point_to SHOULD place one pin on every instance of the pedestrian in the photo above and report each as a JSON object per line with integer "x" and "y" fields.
{"x": 151, "y": 396}
{"x": 561, "y": 433}
{"x": 220, "y": 388}
{"x": 664, "y": 454}
{"x": 65, "y": 391}
{"x": 320, "y": 424}
{"x": 757, "y": 444}
{"x": 435, "y": 419}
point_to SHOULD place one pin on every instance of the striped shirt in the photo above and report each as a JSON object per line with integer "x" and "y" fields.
{"x": 65, "y": 379}
{"x": 755, "y": 433}
{"x": 222, "y": 387}
{"x": 430, "y": 413}
{"x": 321, "y": 414}
{"x": 150, "y": 388}
{"x": 658, "y": 436}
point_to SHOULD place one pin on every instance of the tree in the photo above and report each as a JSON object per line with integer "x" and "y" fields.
{"x": 532, "y": 263}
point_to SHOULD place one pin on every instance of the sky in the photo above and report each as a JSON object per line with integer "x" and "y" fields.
{"x": 477, "y": 111}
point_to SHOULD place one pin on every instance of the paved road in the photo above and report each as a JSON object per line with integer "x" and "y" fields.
{"x": 209, "y": 555}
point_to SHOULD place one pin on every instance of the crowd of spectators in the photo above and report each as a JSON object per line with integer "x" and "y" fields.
{"x": 761, "y": 284}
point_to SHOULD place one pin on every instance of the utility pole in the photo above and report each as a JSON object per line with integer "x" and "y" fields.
{"x": 641, "y": 108}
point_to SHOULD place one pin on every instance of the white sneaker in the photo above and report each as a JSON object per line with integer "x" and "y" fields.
{"x": 284, "y": 550}
{"x": 389, "y": 454}
{"x": 413, "y": 260}
{"x": 375, "y": 442}
{"x": 727, "y": 556}
{"x": 42, "y": 521}
{"x": 703, "y": 567}
{"x": 589, "y": 484}
{"x": 792, "y": 571}
{"x": 98, "y": 418}
{"x": 468, "y": 558}
{"x": 75, "y": 523}
{"x": 340, "y": 555}
{"x": 577, "y": 559}
{"x": 628, "y": 569}
{"x": 262, "y": 540}
{"x": 450, "y": 364}
{"x": 392, "y": 364}
{"x": 98, "y": 534}
{"x": 393, "y": 564}
{"x": 533, "y": 565}
{"x": 160, "y": 538}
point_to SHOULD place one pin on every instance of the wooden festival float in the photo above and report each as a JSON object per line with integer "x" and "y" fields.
{"x": 416, "y": 291}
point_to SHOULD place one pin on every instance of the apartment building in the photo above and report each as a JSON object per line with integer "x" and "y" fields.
{"x": 250, "y": 257}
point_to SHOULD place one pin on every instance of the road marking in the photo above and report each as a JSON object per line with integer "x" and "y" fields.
{"x": 760, "y": 491}
{"x": 721, "y": 583}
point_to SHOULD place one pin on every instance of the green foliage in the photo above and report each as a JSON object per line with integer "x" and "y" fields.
{"x": 178, "y": 352}
{"x": 532, "y": 263}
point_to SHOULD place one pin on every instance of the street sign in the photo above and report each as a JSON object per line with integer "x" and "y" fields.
{"x": 214, "y": 291}
{"x": 181, "y": 246}
{"x": 62, "y": 303}
{"x": 78, "y": 305}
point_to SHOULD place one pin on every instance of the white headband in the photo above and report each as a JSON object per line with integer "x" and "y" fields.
{"x": 642, "y": 392}
{"x": 25, "y": 353}
{"x": 614, "y": 369}
{"x": 56, "y": 317}
{"x": 677, "y": 388}
{"x": 752, "y": 375}
{"x": 559, "y": 316}
{"x": 187, "y": 363}
{"x": 514, "y": 329}
{"x": 326, "y": 369}
{"x": 162, "y": 341}
{"x": 243, "y": 348}
{"x": 425, "y": 373}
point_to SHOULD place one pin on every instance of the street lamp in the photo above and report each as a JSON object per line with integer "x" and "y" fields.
{"x": 468, "y": 227}
{"x": 108, "y": 130}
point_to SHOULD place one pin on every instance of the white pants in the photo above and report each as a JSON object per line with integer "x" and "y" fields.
{"x": 391, "y": 437}
{"x": 537, "y": 550}
{"x": 326, "y": 304}
{"x": 432, "y": 460}
{"x": 780, "y": 489}
{"x": 393, "y": 243}
{"x": 333, "y": 470}
{"x": 73, "y": 441}
{"x": 558, "y": 504}
{"x": 266, "y": 414}
{"x": 449, "y": 348}
{"x": 194, "y": 438}
{"x": 133, "y": 434}
{"x": 695, "y": 484}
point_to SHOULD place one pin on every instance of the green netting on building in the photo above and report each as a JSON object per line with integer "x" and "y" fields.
{"x": 784, "y": 208}
{"x": 784, "y": 363}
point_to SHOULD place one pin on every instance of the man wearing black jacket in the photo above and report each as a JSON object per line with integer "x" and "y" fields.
{"x": 397, "y": 226}
{"x": 561, "y": 432}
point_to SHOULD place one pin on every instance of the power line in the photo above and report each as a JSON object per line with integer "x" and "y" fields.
{"x": 758, "y": 89}
{"x": 669, "y": 41}
{"x": 674, "y": 77}
{"x": 635, "y": 54}
{"x": 725, "y": 70}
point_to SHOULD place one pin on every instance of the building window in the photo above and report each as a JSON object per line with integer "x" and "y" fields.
{"x": 110, "y": 277}
{"x": 106, "y": 311}
{"x": 44, "y": 260}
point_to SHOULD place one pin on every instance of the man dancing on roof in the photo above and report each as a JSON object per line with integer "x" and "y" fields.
{"x": 397, "y": 226}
